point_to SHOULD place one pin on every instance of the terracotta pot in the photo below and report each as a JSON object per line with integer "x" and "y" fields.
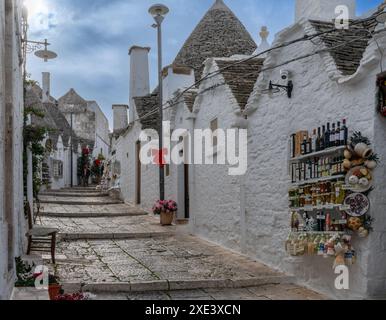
{"x": 363, "y": 150}
{"x": 54, "y": 290}
{"x": 167, "y": 218}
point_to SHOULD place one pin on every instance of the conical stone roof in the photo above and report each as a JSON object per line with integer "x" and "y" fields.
{"x": 219, "y": 34}
{"x": 72, "y": 98}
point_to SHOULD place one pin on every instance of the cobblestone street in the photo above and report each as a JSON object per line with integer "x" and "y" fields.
{"x": 119, "y": 252}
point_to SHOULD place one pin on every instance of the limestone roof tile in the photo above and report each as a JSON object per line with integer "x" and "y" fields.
{"x": 219, "y": 34}
{"x": 241, "y": 77}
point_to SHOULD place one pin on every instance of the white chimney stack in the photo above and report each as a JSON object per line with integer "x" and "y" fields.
{"x": 46, "y": 87}
{"x": 264, "y": 45}
{"x": 120, "y": 117}
{"x": 139, "y": 75}
{"x": 324, "y": 10}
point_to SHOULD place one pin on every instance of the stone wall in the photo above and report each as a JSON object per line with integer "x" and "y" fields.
{"x": 126, "y": 154}
{"x": 215, "y": 198}
{"x": 12, "y": 221}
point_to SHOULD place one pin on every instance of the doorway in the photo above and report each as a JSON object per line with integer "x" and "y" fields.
{"x": 138, "y": 173}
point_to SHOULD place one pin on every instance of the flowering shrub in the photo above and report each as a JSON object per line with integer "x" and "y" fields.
{"x": 164, "y": 206}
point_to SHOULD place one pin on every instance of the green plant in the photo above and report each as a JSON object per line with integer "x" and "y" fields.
{"x": 357, "y": 137}
{"x": 374, "y": 157}
{"x": 33, "y": 136}
{"x": 24, "y": 272}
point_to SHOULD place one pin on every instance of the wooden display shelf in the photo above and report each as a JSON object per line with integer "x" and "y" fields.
{"x": 341, "y": 207}
{"x": 318, "y": 154}
{"x": 317, "y": 180}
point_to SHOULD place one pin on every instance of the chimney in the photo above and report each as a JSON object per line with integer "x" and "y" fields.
{"x": 120, "y": 117}
{"x": 323, "y": 9}
{"x": 46, "y": 87}
{"x": 175, "y": 78}
{"x": 264, "y": 45}
{"x": 139, "y": 76}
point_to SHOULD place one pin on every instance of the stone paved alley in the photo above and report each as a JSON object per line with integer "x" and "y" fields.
{"x": 120, "y": 252}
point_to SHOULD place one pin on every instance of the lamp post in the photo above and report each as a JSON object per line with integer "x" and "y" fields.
{"x": 159, "y": 11}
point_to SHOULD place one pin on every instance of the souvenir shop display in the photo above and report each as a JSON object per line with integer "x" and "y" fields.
{"x": 331, "y": 177}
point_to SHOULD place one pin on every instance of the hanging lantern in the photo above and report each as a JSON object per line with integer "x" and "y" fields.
{"x": 381, "y": 83}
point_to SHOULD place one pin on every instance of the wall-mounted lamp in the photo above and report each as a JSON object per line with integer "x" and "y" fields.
{"x": 277, "y": 88}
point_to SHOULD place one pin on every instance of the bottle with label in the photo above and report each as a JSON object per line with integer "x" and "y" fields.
{"x": 344, "y": 134}
{"x": 318, "y": 140}
{"x": 327, "y": 137}
{"x": 314, "y": 138}
{"x": 332, "y": 136}
{"x": 337, "y": 135}
{"x": 304, "y": 145}
{"x": 322, "y": 142}
{"x": 309, "y": 146}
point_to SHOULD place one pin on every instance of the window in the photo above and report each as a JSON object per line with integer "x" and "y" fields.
{"x": 58, "y": 169}
{"x": 167, "y": 170}
{"x": 214, "y": 128}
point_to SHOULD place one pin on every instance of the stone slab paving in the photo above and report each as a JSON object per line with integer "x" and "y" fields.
{"x": 78, "y": 200}
{"x": 178, "y": 262}
{"x": 108, "y": 227}
{"x": 63, "y": 210}
{"x": 72, "y": 194}
{"x": 264, "y": 292}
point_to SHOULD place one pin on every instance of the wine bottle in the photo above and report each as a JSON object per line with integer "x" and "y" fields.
{"x": 337, "y": 135}
{"x": 304, "y": 145}
{"x": 318, "y": 140}
{"x": 322, "y": 142}
{"x": 333, "y": 136}
{"x": 327, "y": 137}
{"x": 309, "y": 146}
{"x": 314, "y": 139}
{"x": 344, "y": 134}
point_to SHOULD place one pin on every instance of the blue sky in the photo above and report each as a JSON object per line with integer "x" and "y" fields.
{"x": 92, "y": 38}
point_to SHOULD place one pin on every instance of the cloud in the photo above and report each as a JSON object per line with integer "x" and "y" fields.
{"x": 92, "y": 38}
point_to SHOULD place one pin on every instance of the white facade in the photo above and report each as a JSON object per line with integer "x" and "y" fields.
{"x": 12, "y": 221}
{"x": 102, "y": 140}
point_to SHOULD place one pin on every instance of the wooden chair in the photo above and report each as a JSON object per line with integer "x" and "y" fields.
{"x": 40, "y": 238}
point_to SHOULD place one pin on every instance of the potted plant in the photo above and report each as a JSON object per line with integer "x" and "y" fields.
{"x": 166, "y": 209}
{"x": 54, "y": 288}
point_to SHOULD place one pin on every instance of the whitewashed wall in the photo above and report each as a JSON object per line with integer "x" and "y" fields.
{"x": 317, "y": 99}
{"x": 215, "y": 196}
{"x": 16, "y": 96}
{"x": 3, "y": 228}
{"x": 102, "y": 140}
{"x": 126, "y": 154}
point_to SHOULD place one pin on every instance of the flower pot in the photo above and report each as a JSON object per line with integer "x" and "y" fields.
{"x": 54, "y": 290}
{"x": 363, "y": 150}
{"x": 166, "y": 218}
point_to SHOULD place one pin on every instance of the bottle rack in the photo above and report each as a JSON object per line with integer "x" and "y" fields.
{"x": 325, "y": 152}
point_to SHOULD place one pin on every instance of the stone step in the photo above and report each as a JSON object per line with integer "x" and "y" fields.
{"x": 79, "y": 190}
{"x": 172, "y": 285}
{"x": 73, "y": 194}
{"x": 91, "y": 214}
{"x": 113, "y": 236}
{"x": 79, "y": 201}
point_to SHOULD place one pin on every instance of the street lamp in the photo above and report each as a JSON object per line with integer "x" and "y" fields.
{"x": 158, "y": 12}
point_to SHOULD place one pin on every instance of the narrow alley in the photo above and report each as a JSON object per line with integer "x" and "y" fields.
{"x": 117, "y": 251}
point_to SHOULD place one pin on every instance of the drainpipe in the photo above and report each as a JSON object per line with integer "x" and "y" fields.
{"x": 192, "y": 223}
